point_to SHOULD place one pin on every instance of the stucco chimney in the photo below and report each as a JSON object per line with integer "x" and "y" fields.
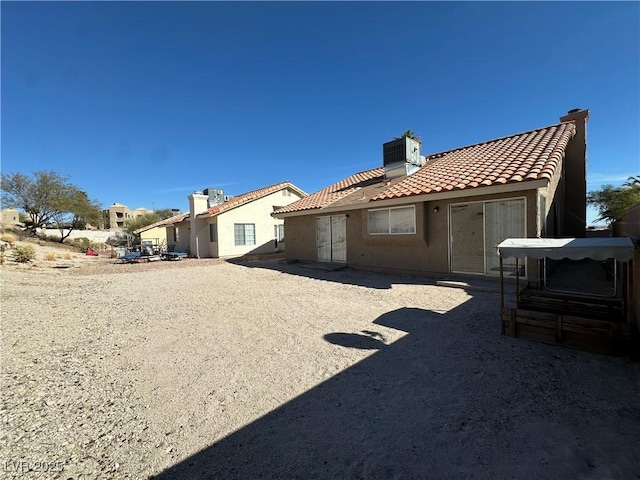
{"x": 575, "y": 170}
{"x": 197, "y": 204}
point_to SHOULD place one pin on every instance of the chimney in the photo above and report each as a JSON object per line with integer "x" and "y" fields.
{"x": 401, "y": 157}
{"x": 579, "y": 117}
{"x": 575, "y": 172}
{"x": 197, "y": 205}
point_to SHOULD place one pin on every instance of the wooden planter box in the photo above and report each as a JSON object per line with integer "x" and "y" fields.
{"x": 608, "y": 337}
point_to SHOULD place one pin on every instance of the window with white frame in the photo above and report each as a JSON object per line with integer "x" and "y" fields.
{"x": 278, "y": 232}
{"x": 244, "y": 233}
{"x": 392, "y": 221}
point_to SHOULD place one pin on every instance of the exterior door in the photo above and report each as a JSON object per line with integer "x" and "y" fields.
{"x": 331, "y": 238}
{"x": 467, "y": 238}
{"x": 477, "y": 228}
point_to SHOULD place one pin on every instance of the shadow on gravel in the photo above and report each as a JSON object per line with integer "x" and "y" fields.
{"x": 342, "y": 275}
{"x": 451, "y": 399}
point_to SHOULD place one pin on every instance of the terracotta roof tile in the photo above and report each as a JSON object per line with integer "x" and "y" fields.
{"x": 166, "y": 222}
{"x": 527, "y": 156}
{"x": 249, "y": 197}
{"x": 523, "y": 157}
{"x": 335, "y": 192}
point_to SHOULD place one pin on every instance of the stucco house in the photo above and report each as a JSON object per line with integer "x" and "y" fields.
{"x": 231, "y": 227}
{"x": 163, "y": 233}
{"x": 446, "y": 212}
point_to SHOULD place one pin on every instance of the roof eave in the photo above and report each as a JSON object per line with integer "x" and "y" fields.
{"x": 429, "y": 197}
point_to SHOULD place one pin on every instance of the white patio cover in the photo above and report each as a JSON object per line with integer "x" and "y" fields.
{"x": 620, "y": 248}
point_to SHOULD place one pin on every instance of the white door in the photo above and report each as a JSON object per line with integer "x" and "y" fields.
{"x": 323, "y": 238}
{"x": 505, "y": 219}
{"x": 331, "y": 238}
{"x": 339, "y": 239}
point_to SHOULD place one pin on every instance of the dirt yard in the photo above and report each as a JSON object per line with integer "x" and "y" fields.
{"x": 204, "y": 369}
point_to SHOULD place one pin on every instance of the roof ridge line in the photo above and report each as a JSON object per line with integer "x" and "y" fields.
{"x": 444, "y": 152}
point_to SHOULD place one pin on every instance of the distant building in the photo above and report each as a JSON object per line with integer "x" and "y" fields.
{"x": 117, "y": 216}
{"x": 225, "y": 226}
{"x": 9, "y": 217}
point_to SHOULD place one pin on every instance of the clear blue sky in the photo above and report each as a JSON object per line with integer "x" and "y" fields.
{"x": 143, "y": 103}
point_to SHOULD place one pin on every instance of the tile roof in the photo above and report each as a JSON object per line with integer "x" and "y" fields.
{"x": 181, "y": 217}
{"x": 332, "y": 193}
{"x": 522, "y": 157}
{"x": 249, "y": 197}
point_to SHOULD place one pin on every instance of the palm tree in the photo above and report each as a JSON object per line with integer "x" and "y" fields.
{"x": 633, "y": 182}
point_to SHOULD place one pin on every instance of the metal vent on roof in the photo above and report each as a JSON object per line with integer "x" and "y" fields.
{"x": 401, "y": 157}
{"x": 216, "y": 196}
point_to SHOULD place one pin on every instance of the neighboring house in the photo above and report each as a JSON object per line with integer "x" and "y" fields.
{"x": 117, "y": 215}
{"x": 446, "y": 212}
{"x": 240, "y": 225}
{"x": 9, "y": 217}
{"x": 164, "y": 233}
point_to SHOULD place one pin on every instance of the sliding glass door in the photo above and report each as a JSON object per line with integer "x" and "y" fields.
{"x": 477, "y": 228}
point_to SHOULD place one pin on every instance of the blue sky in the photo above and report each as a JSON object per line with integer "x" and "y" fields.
{"x": 143, "y": 103}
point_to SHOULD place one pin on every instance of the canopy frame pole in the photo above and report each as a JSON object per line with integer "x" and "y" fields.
{"x": 517, "y": 282}
{"x": 501, "y": 283}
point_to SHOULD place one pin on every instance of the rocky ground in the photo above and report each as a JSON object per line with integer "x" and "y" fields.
{"x": 207, "y": 369}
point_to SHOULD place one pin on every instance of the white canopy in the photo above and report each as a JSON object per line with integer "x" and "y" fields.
{"x": 620, "y": 248}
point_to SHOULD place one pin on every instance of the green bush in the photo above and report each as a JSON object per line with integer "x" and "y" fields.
{"x": 23, "y": 253}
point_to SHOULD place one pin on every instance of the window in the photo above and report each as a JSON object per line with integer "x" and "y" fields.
{"x": 244, "y": 233}
{"x": 278, "y": 232}
{"x": 175, "y": 234}
{"x": 392, "y": 221}
{"x": 213, "y": 232}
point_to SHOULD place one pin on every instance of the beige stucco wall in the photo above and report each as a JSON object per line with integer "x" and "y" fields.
{"x": 158, "y": 235}
{"x": 257, "y": 212}
{"x": 182, "y": 243}
{"x": 9, "y": 216}
{"x": 119, "y": 215}
{"x": 425, "y": 252}
{"x": 551, "y": 205}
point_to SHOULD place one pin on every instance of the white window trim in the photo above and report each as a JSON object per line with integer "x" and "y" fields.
{"x": 413, "y": 207}
{"x": 244, "y": 235}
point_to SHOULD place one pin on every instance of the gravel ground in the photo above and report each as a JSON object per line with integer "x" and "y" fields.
{"x": 207, "y": 369}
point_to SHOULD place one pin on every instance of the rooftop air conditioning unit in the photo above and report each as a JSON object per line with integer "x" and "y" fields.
{"x": 216, "y": 196}
{"x": 401, "y": 157}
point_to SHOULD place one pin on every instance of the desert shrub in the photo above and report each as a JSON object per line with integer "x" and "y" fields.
{"x": 83, "y": 244}
{"x": 68, "y": 256}
{"x": 49, "y": 238}
{"x": 2, "y": 258}
{"x": 8, "y": 237}
{"x": 50, "y": 256}
{"x": 24, "y": 253}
